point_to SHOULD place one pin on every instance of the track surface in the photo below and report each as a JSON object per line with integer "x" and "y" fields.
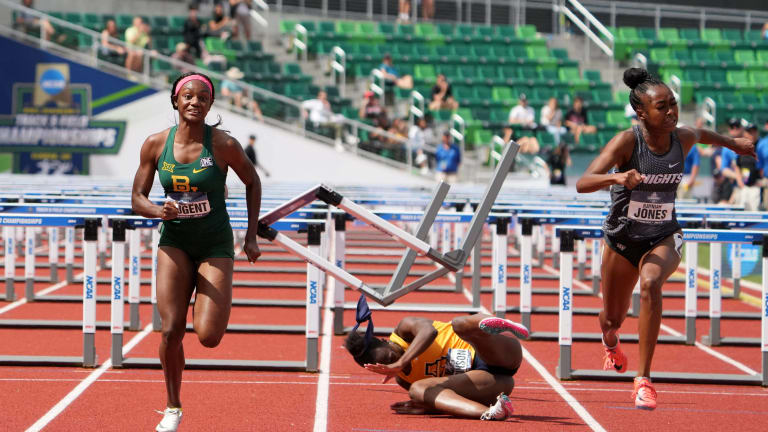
{"x": 343, "y": 396}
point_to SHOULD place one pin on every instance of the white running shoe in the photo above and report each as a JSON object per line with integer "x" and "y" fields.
{"x": 170, "y": 421}
{"x": 501, "y": 410}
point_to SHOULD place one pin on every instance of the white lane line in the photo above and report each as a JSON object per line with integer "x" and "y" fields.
{"x": 323, "y": 381}
{"x": 673, "y": 332}
{"x": 553, "y": 383}
{"x": 84, "y": 384}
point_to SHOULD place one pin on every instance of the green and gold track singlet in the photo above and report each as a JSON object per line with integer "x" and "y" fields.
{"x": 202, "y": 228}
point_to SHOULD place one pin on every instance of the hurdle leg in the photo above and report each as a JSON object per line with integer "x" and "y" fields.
{"x": 635, "y": 306}
{"x": 595, "y": 267}
{"x": 458, "y": 238}
{"x": 541, "y": 241}
{"x": 313, "y": 307}
{"x": 29, "y": 264}
{"x": 134, "y": 279}
{"x": 53, "y": 253}
{"x": 581, "y": 247}
{"x": 89, "y": 291}
{"x": 691, "y": 291}
{"x": 69, "y": 253}
{"x": 156, "y": 324}
{"x": 555, "y": 250}
{"x": 565, "y": 308}
{"x": 736, "y": 270}
{"x": 118, "y": 295}
{"x": 764, "y": 314}
{"x": 499, "y": 269}
{"x": 10, "y": 262}
{"x": 525, "y": 272}
{"x": 715, "y": 295}
{"x": 102, "y": 243}
{"x": 476, "y": 271}
{"x": 339, "y": 250}
{"x": 535, "y": 240}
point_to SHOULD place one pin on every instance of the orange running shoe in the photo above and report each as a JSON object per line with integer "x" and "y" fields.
{"x": 644, "y": 394}
{"x": 614, "y": 358}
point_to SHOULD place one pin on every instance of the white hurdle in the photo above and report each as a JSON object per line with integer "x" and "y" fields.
{"x": 117, "y": 301}
{"x": 10, "y": 262}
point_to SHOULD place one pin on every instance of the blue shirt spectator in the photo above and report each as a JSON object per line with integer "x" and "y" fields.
{"x": 762, "y": 154}
{"x": 448, "y": 158}
{"x": 727, "y": 158}
{"x": 693, "y": 159}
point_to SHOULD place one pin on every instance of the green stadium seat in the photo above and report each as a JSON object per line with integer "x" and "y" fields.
{"x": 690, "y": 34}
{"x": 94, "y": 22}
{"x": 759, "y": 77}
{"x": 546, "y": 140}
{"x": 762, "y": 56}
{"x": 526, "y": 31}
{"x": 287, "y": 26}
{"x": 124, "y": 21}
{"x": 712, "y": 35}
{"x": 745, "y": 57}
{"x": 538, "y": 52}
{"x": 482, "y": 137}
{"x": 548, "y": 73}
{"x": 451, "y": 71}
{"x": 588, "y": 143}
{"x": 733, "y": 35}
{"x": 468, "y": 72}
{"x": 559, "y": 53}
{"x": 753, "y": 35}
{"x": 502, "y": 94}
{"x": 160, "y": 24}
{"x": 647, "y": 33}
{"x": 661, "y": 56}
{"x": 489, "y": 73}
{"x": 483, "y": 94}
{"x": 424, "y": 72}
{"x": 592, "y": 75}
{"x": 703, "y": 55}
{"x": 738, "y": 78}
{"x": 425, "y": 30}
{"x": 617, "y": 119}
{"x": 177, "y": 24}
{"x": 506, "y": 31}
{"x": 464, "y": 32}
{"x": 483, "y": 52}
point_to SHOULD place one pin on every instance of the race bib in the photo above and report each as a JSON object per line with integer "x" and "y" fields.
{"x": 191, "y": 205}
{"x": 458, "y": 361}
{"x": 651, "y": 207}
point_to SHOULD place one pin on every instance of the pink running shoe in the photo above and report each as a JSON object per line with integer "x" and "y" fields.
{"x": 493, "y": 325}
{"x": 644, "y": 394}
{"x": 501, "y": 410}
{"x": 614, "y": 359}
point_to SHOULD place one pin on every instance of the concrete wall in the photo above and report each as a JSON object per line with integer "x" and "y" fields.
{"x": 287, "y": 156}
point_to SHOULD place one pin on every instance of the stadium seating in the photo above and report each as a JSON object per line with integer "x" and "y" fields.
{"x": 728, "y": 65}
{"x": 488, "y": 67}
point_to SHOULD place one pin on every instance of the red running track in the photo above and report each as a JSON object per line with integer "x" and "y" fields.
{"x": 344, "y": 397}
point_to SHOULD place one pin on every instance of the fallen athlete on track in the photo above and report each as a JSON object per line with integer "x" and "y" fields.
{"x": 458, "y": 368}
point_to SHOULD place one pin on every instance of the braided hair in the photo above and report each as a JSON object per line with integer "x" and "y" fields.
{"x": 639, "y": 81}
{"x": 355, "y": 345}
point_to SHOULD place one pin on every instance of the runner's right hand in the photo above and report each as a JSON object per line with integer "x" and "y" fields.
{"x": 629, "y": 179}
{"x": 170, "y": 210}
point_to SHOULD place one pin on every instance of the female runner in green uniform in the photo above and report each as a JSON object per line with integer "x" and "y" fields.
{"x": 196, "y": 244}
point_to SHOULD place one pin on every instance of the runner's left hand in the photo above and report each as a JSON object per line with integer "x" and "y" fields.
{"x": 251, "y": 249}
{"x": 410, "y": 407}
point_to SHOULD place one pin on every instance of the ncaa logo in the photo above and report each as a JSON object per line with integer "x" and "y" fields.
{"x": 52, "y": 82}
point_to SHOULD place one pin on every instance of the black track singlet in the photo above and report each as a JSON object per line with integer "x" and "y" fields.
{"x": 648, "y": 210}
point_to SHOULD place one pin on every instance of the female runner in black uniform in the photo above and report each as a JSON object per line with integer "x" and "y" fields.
{"x": 641, "y": 231}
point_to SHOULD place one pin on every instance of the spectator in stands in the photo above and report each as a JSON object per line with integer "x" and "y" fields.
{"x": 392, "y": 75}
{"x": 371, "y": 109}
{"x": 404, "y": 11}
{"x": 630, "y": 113}
{"x": 723, "y": 175}
{"x": 319, "y": 113}
{"x": 29, "y": 23}
{"x": 250, "y": 151}
{"x": 576, "y": 120}
{"x": 690, "y": 172}
{"x": 192, "y": 31}
{"x": 557, "y": 161}
{"x": 240, "y": 12}
{"x": 420, "y": 136}
{"x": 552, "y": 119}
{"x": 762, "y": 161}
{"x": 182, "y": 54}
{"x": 137, "y": 38}
{"x": 442, "y": 95}
{"x": 107, "y": 48}
{"x": 744, "y": 171}
{"x": 236, "y": 95}
{"x": 427, "y": 10}
{"x": 521, "y": 115}
{"x": 765, "y": 31}
{"x": 220, "y": 24}
{"x": 447, "y": 160}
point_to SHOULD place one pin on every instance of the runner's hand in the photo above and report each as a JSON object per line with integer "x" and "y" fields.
{"x": 251, "y": 249}
{"x": 169, "y": 211}
{"x": 409, "y": 407}
{"x": 389, "y": 371}
{"x": 744, "y": 146}
{"x": 629, "y": 179}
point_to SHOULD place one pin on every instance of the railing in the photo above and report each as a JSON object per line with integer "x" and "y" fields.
{"x": 585, "y": 27}
{"x": 378, "y": 83}
{"x": 278, "y": 110}
{"x": 417, "y": 108}
{"x": 514, "y": 12}
{"x": 264, "y": 8}
{"x": 301, "y": 42}
{"x": 640, "y": 61}
{"x": 339, "y": 69}
{"x": 708, "y": 111}
{"x": 676, "y": 85}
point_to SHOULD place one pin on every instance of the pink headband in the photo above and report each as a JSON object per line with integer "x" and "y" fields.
{"x": 189, "y": 78}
